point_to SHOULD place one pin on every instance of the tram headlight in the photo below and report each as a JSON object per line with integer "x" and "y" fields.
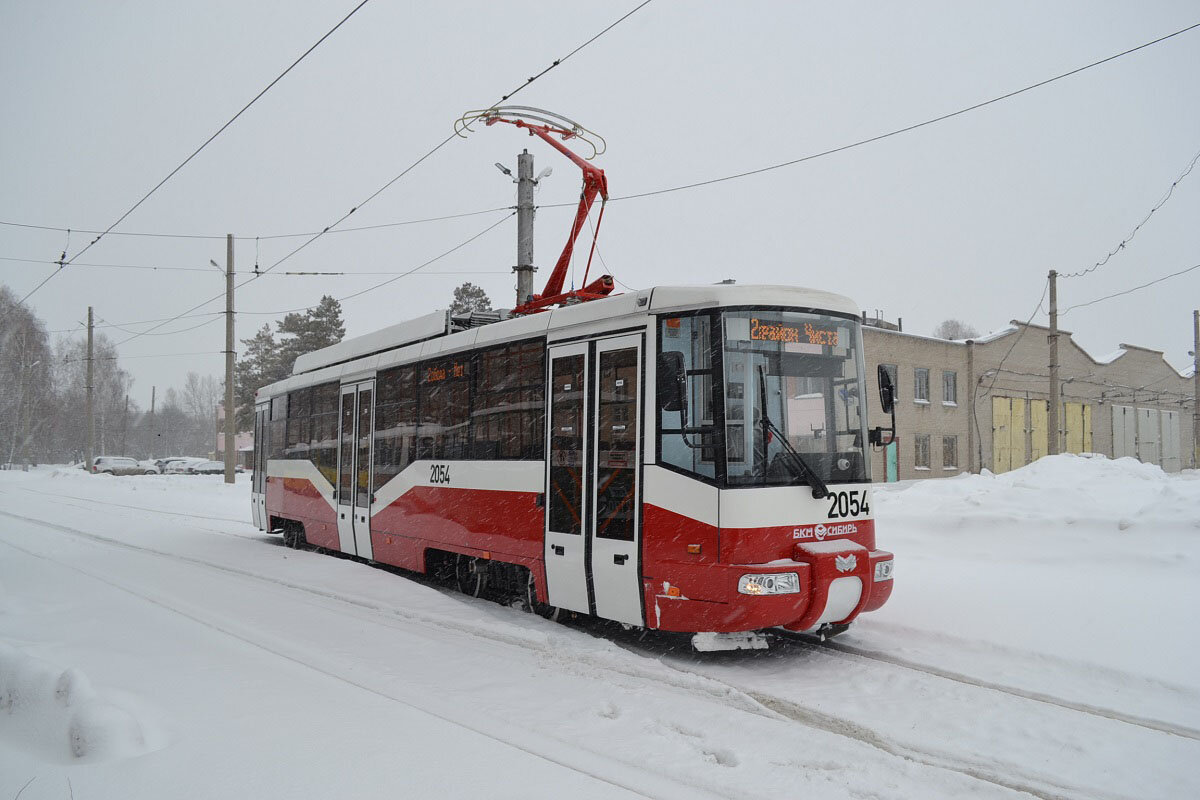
{"x": 776, "y": 583}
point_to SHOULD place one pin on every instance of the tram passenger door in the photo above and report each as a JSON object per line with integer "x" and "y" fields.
{"x": 566, "y": 479}
{"x": 592, "y": 545}
{"x": 258, "y": 482}
{"x": 615, "y": 530}
{"x": 354, "y": 495}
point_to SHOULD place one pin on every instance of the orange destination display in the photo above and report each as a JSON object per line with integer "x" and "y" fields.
{"x": 765, "y": 331}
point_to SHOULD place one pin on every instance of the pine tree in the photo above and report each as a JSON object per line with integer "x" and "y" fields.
{"x": 470, "y": 297}
{"x": 268, "y": 359}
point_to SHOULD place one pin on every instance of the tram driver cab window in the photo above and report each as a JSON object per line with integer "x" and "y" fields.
{"x": 680, "y": 445}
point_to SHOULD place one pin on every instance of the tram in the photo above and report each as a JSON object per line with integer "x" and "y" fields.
{"x": 679, "y": 458}
{"x": 687, "y": 458}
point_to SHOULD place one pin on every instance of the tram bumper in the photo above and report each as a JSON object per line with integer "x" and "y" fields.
{"x": 826, "y": 582}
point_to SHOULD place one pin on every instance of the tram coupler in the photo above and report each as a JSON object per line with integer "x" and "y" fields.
{"x": 716, "y": 642}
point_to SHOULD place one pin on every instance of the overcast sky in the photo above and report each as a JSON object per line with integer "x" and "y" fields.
{"x": 959, "y": 219}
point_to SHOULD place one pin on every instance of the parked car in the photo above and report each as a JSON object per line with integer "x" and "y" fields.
{"x": 116, "y": 465}
{"x": 149, "y": 467}
{"x": 207, "y": 468}
{"x": 178, "y": 465}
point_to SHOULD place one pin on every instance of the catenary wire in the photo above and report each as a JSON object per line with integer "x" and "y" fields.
{"x": 197, "y": 151}
{"x": 397, "y": 277}
{"x": 1137, "y": 227}
{"x": 222, "y": 237}
{"x": 440, "y": 145}
{"x": 1129, "y": 291}
{"x": 898, "y": 131}
{"x": 274, "y": 274}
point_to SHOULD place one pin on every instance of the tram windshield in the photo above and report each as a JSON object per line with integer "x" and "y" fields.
{"x": 794, "y": 375}
{"x": 772, "y": 375}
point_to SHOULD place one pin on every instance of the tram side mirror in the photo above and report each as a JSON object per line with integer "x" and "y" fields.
{"x": 671, "y": 381}
{"x": 887, "y": 390}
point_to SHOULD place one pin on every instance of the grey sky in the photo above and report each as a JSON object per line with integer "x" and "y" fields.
{"x": 960, "y": 219}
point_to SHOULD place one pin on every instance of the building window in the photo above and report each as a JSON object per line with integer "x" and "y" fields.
{"x": 950, "y": 387}
{"x": 921, "y": 451}
{"x": 921, "y": 384}
{"x": 949, "y": 452}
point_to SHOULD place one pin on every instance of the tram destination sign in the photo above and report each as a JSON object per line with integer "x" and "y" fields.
{"x": 768, "y": 331}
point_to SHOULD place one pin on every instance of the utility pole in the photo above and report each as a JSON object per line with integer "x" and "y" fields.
{"x": 91, "y": 449}
{"x": 1052, "y": 410}
{"x": 153, "y": 435}
{"x": 230, "y": 416}
{"x": 524, "y": 267}
{"x": 1196, "y": 388}
{"x": 125, "y": 424}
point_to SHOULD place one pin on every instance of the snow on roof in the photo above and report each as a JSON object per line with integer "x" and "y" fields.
{"x": 1111, "y": 357}
{"x": 994, "y": 335}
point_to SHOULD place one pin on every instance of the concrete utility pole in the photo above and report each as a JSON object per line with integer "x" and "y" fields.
{"x": 971, "y": 406}
{"x": 524, "y": 267}
{"x": 1196, "y": 388}
{"x": 230, "y": 416}
{"x": 153, "y": 435}
{"x": 1052, "y": 411}
{"x": 91, "y": 419}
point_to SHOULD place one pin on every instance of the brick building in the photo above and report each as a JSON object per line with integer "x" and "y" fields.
{"x": 963, "y": 405}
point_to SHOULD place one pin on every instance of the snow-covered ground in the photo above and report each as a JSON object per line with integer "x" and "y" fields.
{"x": 1041, "y": 640}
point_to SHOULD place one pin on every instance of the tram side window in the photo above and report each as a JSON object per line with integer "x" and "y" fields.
{"x": 509, "y": 402}
{"x": 444, "y": 398}
{"x": 395, "y": 422}
{"x": 299, "y": 421}
{"x": 323, "y": 430}
{"x": 277, "y": 424}
{"x": 693, "y": 452}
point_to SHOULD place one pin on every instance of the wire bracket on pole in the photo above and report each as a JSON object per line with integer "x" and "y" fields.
{"x": 550, "y": 127}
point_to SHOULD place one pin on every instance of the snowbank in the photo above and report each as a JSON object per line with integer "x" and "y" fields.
{"x": 1117, "y": 494}
{"x": 57, "y": 712}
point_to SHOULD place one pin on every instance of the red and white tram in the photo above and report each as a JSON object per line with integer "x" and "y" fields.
{"x": 679, "y": 458}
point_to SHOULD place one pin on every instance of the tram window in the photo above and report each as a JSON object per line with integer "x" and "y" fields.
{"x": 395, "y": 422}
{"x": 444, "y": 402}
{"x": 275, "y": 436}
{"x": 693, "y": 452}
{"x": 508, "y": 402}
{"x": 299, "y": 410}
{"x": 323, "y": 430}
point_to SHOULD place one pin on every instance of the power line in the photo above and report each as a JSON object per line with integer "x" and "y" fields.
{"x": 274, "y": 274}
{"x": 439, "y": 146}
{"x": 907, "y": 128}
{"x": 222, "y": 237}
{"x": 1130, "y": 291}
{"x": 1137, "y": 227}
{"x": 436, "y": 258}
{"x": 197, "y": 151}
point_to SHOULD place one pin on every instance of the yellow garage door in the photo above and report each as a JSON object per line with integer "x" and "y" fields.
{"x": 1077, "y": 419}
{"x": 1038, "y": 413}
{"x": 1008, "y": 433}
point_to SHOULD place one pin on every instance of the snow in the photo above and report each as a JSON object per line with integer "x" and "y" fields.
{"x": 1039, "y": 639}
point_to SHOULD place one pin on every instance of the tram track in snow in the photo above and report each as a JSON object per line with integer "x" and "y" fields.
{"x": 830, "y": 645}
{"x": 737, "y": 696}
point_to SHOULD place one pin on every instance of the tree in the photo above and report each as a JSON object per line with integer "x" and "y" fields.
{"x": 268, "y": 359}
{"x": 955, "y": 329}
{"x": 470, "y": 297}
{"x": 26, "y": 390}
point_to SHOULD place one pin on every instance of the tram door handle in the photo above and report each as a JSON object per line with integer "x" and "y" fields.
{"x": 620, "y": 558}
{"x": 559, "y": 550}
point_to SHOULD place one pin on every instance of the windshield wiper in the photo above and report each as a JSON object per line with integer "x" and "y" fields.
{"x": 799, "y": 466}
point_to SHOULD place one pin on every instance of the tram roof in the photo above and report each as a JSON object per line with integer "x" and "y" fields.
{"x": 443, "y": 332}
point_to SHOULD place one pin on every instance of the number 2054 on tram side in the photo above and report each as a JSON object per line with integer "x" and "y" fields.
{"x": 680, "y": 458}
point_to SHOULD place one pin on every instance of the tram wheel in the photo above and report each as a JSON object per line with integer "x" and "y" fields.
{"x": 533, "y": 605}
{"x": 471, "y": 575}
